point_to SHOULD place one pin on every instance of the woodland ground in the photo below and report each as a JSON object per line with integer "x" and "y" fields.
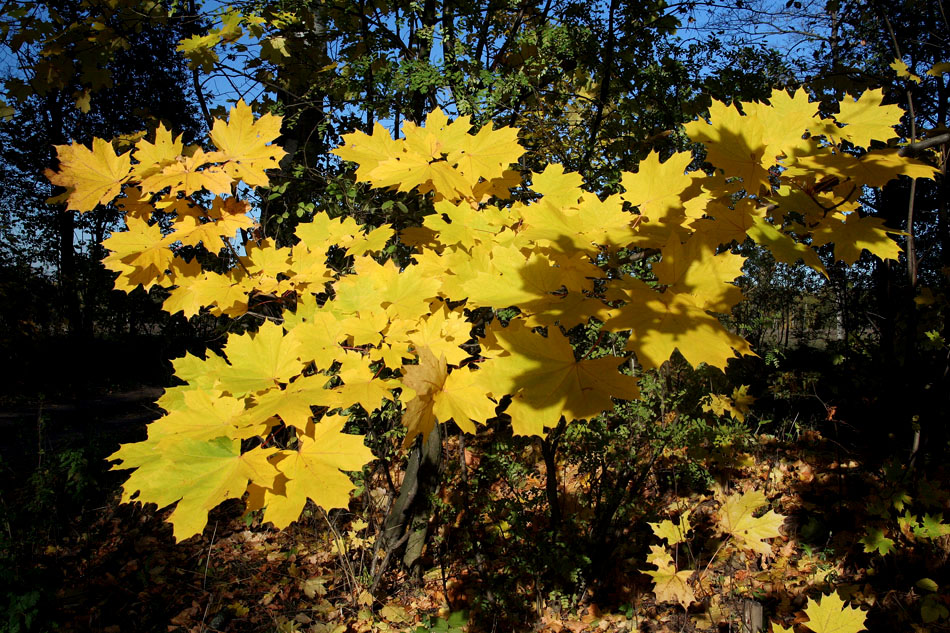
{"x": 74, "y": 559}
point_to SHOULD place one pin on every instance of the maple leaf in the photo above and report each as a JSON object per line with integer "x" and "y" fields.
{"x": 660, "y": 556}
{"x": 293, "y": 403}
{"x": 660, "y": 324}
{"x": 319, "y": 337}
{"x": 733, "y": 143}
{"x": 153, "y": 157}
{"x": 830, "y": 615}
{"x": 900, "y": 67}
{"x": 545, "y": 375}
{"x": 226, "y": 295}
{"x": 259, "y": 361}
{"x": 409, "y": 171}
{"x": 736, "y": 519}
{"x": 441, "y": 396}
{"x": 372, "y": 242}
{"x": 672, "y": 586}
{"x": 875, "y": 541}
{"x": 225, "y": 217}
{"x": 515, "y": 280}
{"x": 486, "y": 154}
{"x": 244, "y": 144}
{"x": 931, "y": 527}
{"x": 560, "y": 189}
{"x": 719, "y": 405}
{"x": 874, "y": 169}
{"x": 658, "y": 188}
{"x": 442, "y": 332}
{"x": 140, "y": 254}
{"x": 694, "y": 269}
{"x": 92, "y": 176}
{"x": 314, "y": 471}
{"x": 197, "y": 474}
{"x": 189, "y": 174}
{"x": 558, "y": 227}
{"x": 853, "y": 234}
{"x": 322, "y": 232}
{"x": 368, "y": 151}
{"x": 737, "y": 405}
{"x": 402, "y": 294}
{"x": 360, "y": 384}
{"x": 782, "y": 246}
{"x": 865, "y": 119}
{"x": 673, "y": 532}
{"x": 197, "y": 372}
{"x": 202, "y": 415}
{"x": 783, "y": 121}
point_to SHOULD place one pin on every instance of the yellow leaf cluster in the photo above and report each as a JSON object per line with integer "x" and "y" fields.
{"x": 786, "y": 182}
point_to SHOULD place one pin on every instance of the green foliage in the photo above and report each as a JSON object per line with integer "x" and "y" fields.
{"x": 455, "y": 623}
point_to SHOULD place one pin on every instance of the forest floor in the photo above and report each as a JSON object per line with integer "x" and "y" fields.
{"x": 74, "y": 559}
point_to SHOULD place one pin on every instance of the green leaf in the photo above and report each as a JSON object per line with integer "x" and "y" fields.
{"x": 927, "y": 585}
{"x": 874, "y": 540}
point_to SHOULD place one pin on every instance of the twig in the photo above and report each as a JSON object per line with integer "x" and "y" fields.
{"x": 914, "y": 149}
{"x": 204, "y": 581}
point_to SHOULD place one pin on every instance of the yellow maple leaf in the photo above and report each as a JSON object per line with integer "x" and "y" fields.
{"x": 900, "y": 67}
{"x": 322, "y": 232}
{"x": 545, "y": 375}
{"x": 293, "y": 402}
{"x": 736, "y": 519}
{"x": 197, "y": 474}
{"x": 153, "y": 157}
{"x": 558, "y": 188}
{"x": 371, "y": 242}
{"x": 831, "y": 615}
{"x": 225, "y": 217}
{"x": 660, "y": 324}
{"x": 140, "y": 254}
{"x": 660, "y": 556}
{"x": 727, "y": 225}
{"x": 670, "y": 585}
{"x": 442, "y": 332}
{"x": 409, "y": 171}
{"x": 558, "y": 226}
{"x": 734, "y": 144}
{"x": 673, "y": 533}
{"x": 865, "y": 119}
{"x": 320, "y": 335}
{"x": 486, "y": 154}
{"x": 782, "y": 246}
{"x": 784, "y": 120}
{"x": 368, "y": 151}
{"x": 875, "y": 169}
{"x": 222, "y": 293}
{"x": 402, "y": 294}
{"x": 852, "y": 234}
{"x": 695, "y": 269}
{"x": 259, "y": 361}
{"x": 314, "y": 471}
{"x": 658, "y": 189}
{"x": 361, "y": 385}
{"x": 738, "y": 405}
{"x": 245, "y": 144}
{"x": 189, "y": 174}
{"x": 92, "y": 176}
{"x": 203, "y": 415}
{"x": 515, "y": 280}
{"x": 441, "y": 396}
